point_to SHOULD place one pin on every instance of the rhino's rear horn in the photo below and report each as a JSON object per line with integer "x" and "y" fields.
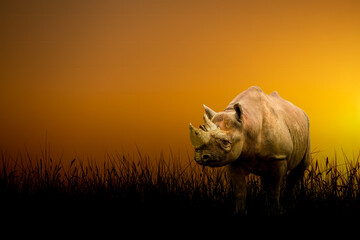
{"x": 208, "y": 124}
{"x": 209, "y": 112}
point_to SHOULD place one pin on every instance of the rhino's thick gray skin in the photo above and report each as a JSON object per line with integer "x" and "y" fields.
{"x": 257, "y": 133}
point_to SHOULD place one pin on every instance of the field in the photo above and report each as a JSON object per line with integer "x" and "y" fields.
{"x": 136, "y": 185}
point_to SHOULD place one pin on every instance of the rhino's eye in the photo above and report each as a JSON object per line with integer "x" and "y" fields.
{"x": 225, "y": 142}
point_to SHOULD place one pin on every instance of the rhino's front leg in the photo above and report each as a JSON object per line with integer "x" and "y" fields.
{"x": 272, "y": 181}
{"x": 237, "y": 175}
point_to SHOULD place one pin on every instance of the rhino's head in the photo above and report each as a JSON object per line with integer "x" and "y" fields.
{"x": 219, "y": 141}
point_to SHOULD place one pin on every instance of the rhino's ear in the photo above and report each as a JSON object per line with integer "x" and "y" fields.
{"x": 209, "y": 112}
{"x": 238, "y": 110}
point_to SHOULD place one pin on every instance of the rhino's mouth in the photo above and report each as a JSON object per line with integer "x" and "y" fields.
{"x": 209, "y": 162}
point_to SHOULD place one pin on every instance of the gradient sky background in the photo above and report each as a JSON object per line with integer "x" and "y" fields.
{"x": 100, "y": 76}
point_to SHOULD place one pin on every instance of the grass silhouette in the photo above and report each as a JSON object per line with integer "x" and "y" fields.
{"x": 137, "y": 185}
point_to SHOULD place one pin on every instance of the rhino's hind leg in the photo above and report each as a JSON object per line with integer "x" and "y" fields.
{"x": 295, "y": 176}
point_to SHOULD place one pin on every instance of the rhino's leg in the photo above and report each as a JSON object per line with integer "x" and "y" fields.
{"x": 237, "y": 176}
{"x": 271, "y": 182}
{"x": 295, "y": 176}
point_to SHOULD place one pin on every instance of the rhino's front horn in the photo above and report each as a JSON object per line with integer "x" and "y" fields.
{"x": 198, "y": 137}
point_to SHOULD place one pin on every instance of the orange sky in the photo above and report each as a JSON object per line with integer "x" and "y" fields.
{"x": 100, "y": 76}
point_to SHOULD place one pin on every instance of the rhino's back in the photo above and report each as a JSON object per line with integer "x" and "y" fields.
{"x": 295, "y": 118}
{"x": 278, "y": 127}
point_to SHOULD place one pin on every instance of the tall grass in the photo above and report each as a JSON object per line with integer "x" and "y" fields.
{"x": 138, "y": 184}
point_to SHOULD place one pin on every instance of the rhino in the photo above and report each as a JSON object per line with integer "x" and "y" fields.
{"x": 260, "y": 134}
